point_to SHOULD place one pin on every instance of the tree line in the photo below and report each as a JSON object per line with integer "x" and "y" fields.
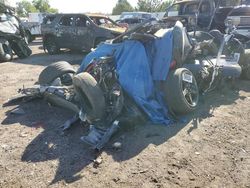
{"x": 156, "y": 5}
{"x": 142, "y": 5}
{"x": 25, "y": 7}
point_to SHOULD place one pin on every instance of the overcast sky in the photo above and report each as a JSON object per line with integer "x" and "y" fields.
{"x": 76, "y": 6}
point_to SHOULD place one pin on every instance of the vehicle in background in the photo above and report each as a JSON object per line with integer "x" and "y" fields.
{"x": 207, "y": 13}
{"x": 240, "y": 18}
{"x": 245, "y": 2}
{"x": 33, "y": 25}
{"x": 132, "y": 19}
{"x": 12, "y": 35}
{"x": 130, "y": 22}
{"x": 141, "y": 15}
{"x": 77, "y": 31}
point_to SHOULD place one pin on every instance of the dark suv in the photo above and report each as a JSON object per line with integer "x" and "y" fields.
{"x": 240, "y": 18}
{"x": 209, "y": 14}
{"x": 77, "y": 31}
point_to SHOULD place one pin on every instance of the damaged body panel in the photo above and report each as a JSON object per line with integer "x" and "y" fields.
{"x": 77, "y": 31}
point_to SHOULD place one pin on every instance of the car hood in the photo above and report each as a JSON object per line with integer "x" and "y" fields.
{"x": 115, "y": 29}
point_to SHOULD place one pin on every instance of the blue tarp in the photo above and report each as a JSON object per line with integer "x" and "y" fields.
{"x": 139, "y": 68}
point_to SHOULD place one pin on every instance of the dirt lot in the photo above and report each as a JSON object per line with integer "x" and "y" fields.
{"x": 212, "y": 149}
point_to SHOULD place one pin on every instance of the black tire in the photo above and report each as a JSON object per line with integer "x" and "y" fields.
{"x": 29, "y": 36}
{"x": 90, "y": 96}
{"x": 174, "y": 96}
{"x": 5, "y": 51}
{"x": 246, "y": 72}
{"x": 21, "y": 48}
{"x": 51, "y": 46}
{"x": 53, "y": 71}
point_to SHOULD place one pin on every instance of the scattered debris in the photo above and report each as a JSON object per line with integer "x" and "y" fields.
{"x": 23, "y": 134}
{"x": 170, "y": 172}
{"x": 5, "y": 147}
{"x": 117, "y": 145}
{"x": 143, "y": 171}
{"x": 97, "y": 162}
{"x": 98, "y": 137}
{"x": 116, "y": 179}
{"x": 197, "y": 153}
{"x": 243, "y": 150}
{"x": 191, "y": 179}
{"x": 70, "y": 122}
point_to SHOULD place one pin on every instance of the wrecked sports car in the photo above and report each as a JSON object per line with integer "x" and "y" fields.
{"x": 150, "y": 73}
{"x": 12, "y": 35}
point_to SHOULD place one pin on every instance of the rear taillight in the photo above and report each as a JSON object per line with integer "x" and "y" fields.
{"x": 173, "y": 65}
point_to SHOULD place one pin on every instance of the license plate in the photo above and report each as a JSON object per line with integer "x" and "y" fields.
{"x": 237, "y": 57}
{"x": 187, "y": 77}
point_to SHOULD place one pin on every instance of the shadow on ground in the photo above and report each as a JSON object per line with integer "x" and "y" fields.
{"x": 39, "y": 57}
{"x": 74, "y": 156}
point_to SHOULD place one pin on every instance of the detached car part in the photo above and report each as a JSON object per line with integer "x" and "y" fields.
{"x": 56, "y": 70}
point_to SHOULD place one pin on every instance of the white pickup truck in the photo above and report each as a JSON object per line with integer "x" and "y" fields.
{"x": 33, "y": 25}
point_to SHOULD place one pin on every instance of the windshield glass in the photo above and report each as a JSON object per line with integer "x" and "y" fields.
{"x": 174, "y": 10}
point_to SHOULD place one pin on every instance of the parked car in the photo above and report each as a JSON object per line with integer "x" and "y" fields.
{"x": 209, "y": 14}
{"x": 130, "y": 22}
{"x": 141, "y": 15}
{"x": 131, "y": 19}
{"x": 33, "y": 25}
{"x": 77, "y": 31}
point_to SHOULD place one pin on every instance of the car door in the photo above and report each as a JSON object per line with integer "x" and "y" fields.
{"x": 65, "y": 32}
{"x": 84, "y": 33}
